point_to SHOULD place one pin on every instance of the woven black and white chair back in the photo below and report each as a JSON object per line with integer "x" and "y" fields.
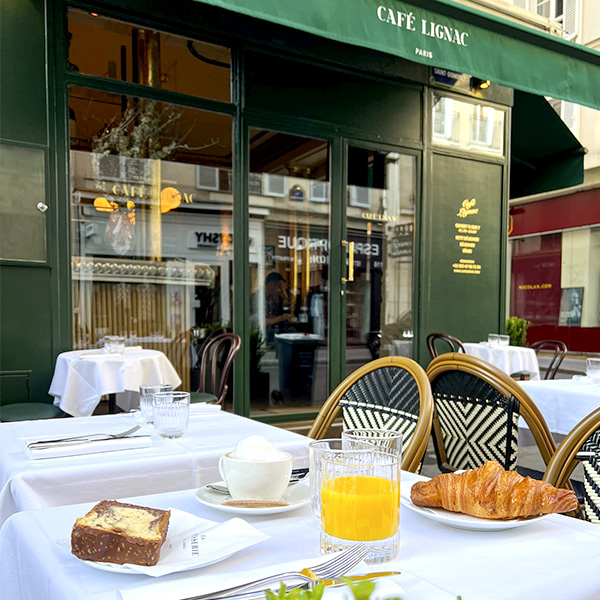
{"x": 590, "y": 460}
{"x": 386, "y": 398}
{"x": 477, "y": 422}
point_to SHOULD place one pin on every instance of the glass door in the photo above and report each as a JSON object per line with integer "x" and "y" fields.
{"x": 380, "y": 225}
{"x": 289, "y": 194}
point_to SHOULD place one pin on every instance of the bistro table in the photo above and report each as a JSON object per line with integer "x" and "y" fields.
{"x": 555, "y": 557}
{"x": 82, "y": 377}
{"x": 563, "y": 402}
{"x": 166, "y": 465}
{"x": 510, "y": 359}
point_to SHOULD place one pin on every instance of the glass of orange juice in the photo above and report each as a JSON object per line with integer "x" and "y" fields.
{"x": 360, "y": 502}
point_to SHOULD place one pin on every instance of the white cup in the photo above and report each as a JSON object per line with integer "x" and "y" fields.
{"x": 256, "y": 479}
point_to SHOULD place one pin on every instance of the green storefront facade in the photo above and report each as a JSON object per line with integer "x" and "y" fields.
{"x": 347, "y": 91}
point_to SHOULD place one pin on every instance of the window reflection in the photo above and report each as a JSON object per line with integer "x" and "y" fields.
{"x": 151, "y": 225}
{"x": 467, "y": 126}
{"x": 289, "y": 258}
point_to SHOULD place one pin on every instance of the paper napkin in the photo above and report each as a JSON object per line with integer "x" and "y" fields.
{"x": 128, "y": 443}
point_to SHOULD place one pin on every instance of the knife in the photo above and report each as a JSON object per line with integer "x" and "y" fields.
{"x": 260, "y": 594}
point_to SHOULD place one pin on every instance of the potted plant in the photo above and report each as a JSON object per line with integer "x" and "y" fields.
{"x": 516, "y": 328}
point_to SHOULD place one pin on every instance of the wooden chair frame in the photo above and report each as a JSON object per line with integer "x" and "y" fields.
{"x": 560, "y": 351}
{"x": 454, "y": 343}
{"x": 504, "y": 384}
{"x": 414, "y": 451}
{"x": 209, "y": 355}
{"x": 564, "y": 460}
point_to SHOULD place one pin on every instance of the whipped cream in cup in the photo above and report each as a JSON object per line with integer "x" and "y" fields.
{"x": 256, "y": 470}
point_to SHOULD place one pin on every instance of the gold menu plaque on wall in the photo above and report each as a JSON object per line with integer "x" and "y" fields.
{"x": 466, "y": 234}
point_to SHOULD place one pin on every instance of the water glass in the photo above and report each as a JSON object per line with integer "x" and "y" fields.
{"x": 503, "y": 340}
{"x": 170, "y": 413}
{"x": 360, "y": 502}
{"x": 493, "y": 339}
{"x": 381, "y": 439}
{"x": 146, "y": 392}
{"x": 592, "y": 369}
{"x": 114, "y": 344}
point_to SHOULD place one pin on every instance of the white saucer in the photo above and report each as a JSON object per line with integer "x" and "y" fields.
{"x": 297, "y": 495}
{"x": 461, "y": 521}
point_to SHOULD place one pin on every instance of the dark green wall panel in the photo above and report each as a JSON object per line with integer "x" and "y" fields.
{"x": 23, "y": 66}
{"x": 385, "y": 110}
{"x": 467, "y": 305}
{"x": 25, "y": 326}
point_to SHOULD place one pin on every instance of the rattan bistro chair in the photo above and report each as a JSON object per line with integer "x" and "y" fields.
{"x": 476, "y": 414}
{"x": 582, "y": 445}
{"x": 388, "y": 393}
{"x": 559, "y": 350}
{"x": 452, "y": 344}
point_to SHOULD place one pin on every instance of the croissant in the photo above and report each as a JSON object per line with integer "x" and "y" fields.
{"x": 492, "y": 493}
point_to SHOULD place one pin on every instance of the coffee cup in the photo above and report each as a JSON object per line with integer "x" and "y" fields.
{"x": 256, "y": 478}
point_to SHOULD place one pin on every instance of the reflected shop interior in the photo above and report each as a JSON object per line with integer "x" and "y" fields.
{"x": 152, "y": 224}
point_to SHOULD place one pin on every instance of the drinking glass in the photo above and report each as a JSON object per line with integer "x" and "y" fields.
{"x": 170, "y": 413}
{"x": 381, "y": 439}
{"x": 592, "y": 369}
{"x": 360, "y": 502}
{"x": 493, "y": 339}
{"x": 146, "y": 392}
{"x": 114, "y": 344}
{"x": 503, "y": 340}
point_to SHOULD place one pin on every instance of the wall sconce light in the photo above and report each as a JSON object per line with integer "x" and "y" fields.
{"x": 479, "y": 84}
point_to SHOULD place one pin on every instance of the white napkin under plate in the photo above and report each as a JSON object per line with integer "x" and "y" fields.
{"x": 205, "y": 584}
{"x": 95, "y": 447}
{"x": 193, "y": 542}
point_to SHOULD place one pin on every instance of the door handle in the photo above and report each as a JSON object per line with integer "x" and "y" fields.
{"x": 350, "y": 261}
{"x": 42, "y": 207}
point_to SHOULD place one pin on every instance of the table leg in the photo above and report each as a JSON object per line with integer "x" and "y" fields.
{"x": 112, "y": 404}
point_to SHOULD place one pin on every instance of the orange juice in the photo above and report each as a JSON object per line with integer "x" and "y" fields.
{"x": 360, "y": 508}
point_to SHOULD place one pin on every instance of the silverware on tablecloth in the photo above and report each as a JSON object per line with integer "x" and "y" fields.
{"x": 260, "y": 594}
{"x": 335, "y": 567}
{"x": 297, "y": 476}
{"x": 83, "y": 439}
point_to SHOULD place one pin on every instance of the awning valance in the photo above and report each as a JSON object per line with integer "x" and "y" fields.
{"x": 545, "y": 155}
{"x": 443, "y": 33}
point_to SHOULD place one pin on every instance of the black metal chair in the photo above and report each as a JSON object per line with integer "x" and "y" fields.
{"x": 559, "y": 350}
{"x": 581, "y": 446}
{"x": 217, "y": 359}
{"x": 476, "y": 414}
{"x": 388, "y": 393}
{"x": 454, "y": 344}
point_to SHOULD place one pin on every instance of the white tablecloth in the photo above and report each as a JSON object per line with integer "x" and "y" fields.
{"x": 510, "y": 359}
{"x": 562, "y": 402}
{"x": 167, "y": 465}
{"x": 81, "y": 377}
{"x": 555, "y": 558}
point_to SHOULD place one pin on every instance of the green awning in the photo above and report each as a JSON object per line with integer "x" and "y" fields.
{"x": 443, "y": 33}
{"x": 545, "y": 155}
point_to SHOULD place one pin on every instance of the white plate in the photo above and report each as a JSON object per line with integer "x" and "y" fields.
{"x": 179, "y": 522}
{"x": 460, "y": 521}
{"x": 297, "y": 495}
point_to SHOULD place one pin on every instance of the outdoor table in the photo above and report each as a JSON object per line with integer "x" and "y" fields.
{"x": 563, "y": 402}
{"x": 555, "y": 557}
{"x": 166, "y": 465}
{"x": 510, "y": 359}
{"x": 82, "y": 377}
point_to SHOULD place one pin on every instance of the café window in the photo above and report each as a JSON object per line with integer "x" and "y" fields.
{"x": 151, "y": 243}
{"x": 117, "y": 50}
{"x": 467, "y": 126}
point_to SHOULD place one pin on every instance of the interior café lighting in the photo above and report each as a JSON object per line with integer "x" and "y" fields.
{"x": 479, "y": 84}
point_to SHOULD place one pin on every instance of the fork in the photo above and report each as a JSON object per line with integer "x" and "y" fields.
{"x": 84, "y": 438}
{"x": 335, "y": 567}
